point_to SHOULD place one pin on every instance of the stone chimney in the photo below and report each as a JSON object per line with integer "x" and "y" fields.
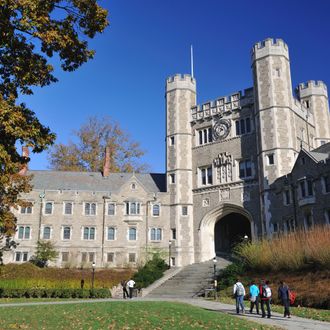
{"x": 25, "y": 155}
{"x": 106, "y": 166}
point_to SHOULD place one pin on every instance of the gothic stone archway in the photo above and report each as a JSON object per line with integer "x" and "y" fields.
{"x": 212, "y": 230}
{"x": 230, "y": 230}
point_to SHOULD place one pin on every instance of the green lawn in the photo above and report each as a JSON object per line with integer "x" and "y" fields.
{"x": 309, "y": 313}
{"x": 119, "y": 315}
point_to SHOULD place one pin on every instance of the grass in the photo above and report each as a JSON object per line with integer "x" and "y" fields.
{"x": 309, "y": 313}
{"x": 120, "y": 315}
{"x": 296, "y": 251}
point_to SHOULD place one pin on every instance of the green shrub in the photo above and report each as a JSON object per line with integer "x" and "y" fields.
{"x": 150, "y": 272}
{"x": 228, "y": 276}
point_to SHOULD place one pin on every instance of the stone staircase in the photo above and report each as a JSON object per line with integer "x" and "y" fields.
{"x": 190, "y": 282}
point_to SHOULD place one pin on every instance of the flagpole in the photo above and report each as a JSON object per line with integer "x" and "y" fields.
{"x": 192, "y": 61}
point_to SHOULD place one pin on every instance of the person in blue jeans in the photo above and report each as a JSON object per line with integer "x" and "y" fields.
{"x": 254, "y": 297}
{"x": 239, "y": 293}
{"x": 265, "y": 294}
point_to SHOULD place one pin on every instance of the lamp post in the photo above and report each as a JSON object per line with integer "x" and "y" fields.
{"x": 93, "y": 274}
{"x": 215, "y": 276}
{"x": 169, "y": 253}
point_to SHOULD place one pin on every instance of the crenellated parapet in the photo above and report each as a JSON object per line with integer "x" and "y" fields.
{"x": 310, "y": 88}
{"x": 269, "y": 47}
{"x": 222, "y": 105}
{"x": 180, "y": 81}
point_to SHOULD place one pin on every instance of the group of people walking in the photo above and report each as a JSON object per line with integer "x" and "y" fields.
{"x": 262, "y": 294}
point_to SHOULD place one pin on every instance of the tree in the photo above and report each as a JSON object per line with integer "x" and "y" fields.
{"x": 88, "y": 153}
{"x": 31, "y": 32}
{"x": 45, "y": 252}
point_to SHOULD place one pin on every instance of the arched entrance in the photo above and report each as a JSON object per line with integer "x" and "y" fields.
{"x": 230, "y": 230}
{"x": 221, "y": 227}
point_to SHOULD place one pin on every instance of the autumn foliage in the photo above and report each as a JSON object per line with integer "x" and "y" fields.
{"x": 31, "y": 32}
{"x": 87, "y": 152}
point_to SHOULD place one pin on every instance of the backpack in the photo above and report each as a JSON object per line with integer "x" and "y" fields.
{"x": 292, "y": 297}
{"x": 266, "y": 291}
{"x": 239, "y": 289}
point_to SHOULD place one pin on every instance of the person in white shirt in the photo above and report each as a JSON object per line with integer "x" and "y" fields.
{"x": 239, "y": 293}
{"x": 130, "y": 285}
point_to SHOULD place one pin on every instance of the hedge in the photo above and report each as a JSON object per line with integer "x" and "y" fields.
{"x": 54, "y": 293}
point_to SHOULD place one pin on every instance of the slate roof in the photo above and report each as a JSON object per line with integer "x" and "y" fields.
{"x": 94, "y": 181}
{"x": 325, "y": 149}
{"x": 321, "y": 153}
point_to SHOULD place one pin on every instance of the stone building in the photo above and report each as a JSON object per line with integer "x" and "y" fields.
{"x": 229, "y": 163}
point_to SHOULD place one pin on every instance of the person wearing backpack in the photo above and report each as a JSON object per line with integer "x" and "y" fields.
{"x": 283, "y": 295}
{"x": 239, "y": 293}
{"x": 265, "y": 298}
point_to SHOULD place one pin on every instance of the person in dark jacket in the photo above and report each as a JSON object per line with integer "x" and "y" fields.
{"x": 283, "y": 295}
{"x": 124, "y": 286}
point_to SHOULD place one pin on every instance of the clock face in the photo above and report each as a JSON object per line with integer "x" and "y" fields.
{"x": 221, "y": 129}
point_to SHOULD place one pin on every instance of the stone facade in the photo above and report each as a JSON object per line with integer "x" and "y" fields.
{"x": 229, "y": 162}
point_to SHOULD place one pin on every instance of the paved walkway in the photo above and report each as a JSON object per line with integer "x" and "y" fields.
{"x": 295, "y": 323}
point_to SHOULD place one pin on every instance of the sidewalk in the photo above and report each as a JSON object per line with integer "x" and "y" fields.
{"x": 294, "y": 323}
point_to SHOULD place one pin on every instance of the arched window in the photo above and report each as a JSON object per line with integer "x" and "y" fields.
{"x": 111, "y": 233}
{"x": 49, "y": 208}
{"x": 155, "y": 210}
{"x": 132, "y": 234}
{"x": 46, "y": 234}
{"x": 68, "y": 208}
{"x": 66, "y": 233}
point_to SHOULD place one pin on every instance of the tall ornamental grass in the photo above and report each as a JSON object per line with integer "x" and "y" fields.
{"x": 27, "y": 275}
{"x": 294, "y": 251}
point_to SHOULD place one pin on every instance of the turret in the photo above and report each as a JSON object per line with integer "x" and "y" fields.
{"x": 273, "y": 109}
{"x": 314, "y": 97}
{"x": 180, "y": 97}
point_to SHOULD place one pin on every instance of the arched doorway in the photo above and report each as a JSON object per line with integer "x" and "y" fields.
{"x": 212, "y": 229}
{"x": 230, "y": 230}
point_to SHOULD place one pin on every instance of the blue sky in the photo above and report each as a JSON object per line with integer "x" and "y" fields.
{"x": 149, "y": 40}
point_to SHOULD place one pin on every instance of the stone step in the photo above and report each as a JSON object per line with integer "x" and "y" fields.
{"x": 190, "y": 281}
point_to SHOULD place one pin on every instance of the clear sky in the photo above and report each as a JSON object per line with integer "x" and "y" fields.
{"x": 149, "y": 40}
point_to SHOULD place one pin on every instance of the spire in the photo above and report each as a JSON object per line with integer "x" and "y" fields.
{"x": 192, "y": 61}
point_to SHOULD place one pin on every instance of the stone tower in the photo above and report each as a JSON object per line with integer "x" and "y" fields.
{"x": 314, "y": 96}
{"x": 275, "y": 120}
{"x": 180, "y": 97}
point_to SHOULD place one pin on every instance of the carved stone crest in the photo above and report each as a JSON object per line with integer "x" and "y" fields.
{"x": 224, "y": 163}
{"x": 224, "y": 194}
